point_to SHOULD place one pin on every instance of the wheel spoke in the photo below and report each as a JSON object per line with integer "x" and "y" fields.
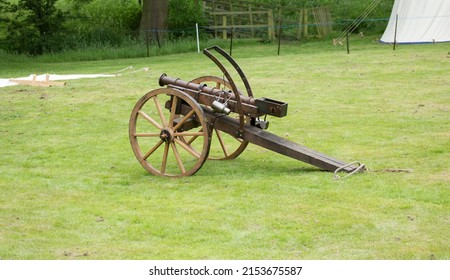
{"x": 194, "y": 137}
{"x": 164, "y": 159}
{"x": 222, "y": 143}
{"x": 158, "y": 107}
{"x": 150, "y": 119}
{"x": 145, "y": 134}
{"x": 183, "y": 120}
{"x": 152, "y": 150}
{"x": 178, "y": 158}
{"x": 188, "y": 133}
{"x": 188, "y": 148}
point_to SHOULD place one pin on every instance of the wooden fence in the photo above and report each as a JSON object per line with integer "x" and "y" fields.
{"x": 251, "y": 20}
{"x": 224, "y": 21}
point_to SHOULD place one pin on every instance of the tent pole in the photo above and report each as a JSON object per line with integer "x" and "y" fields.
{"x": 395, "y": 31}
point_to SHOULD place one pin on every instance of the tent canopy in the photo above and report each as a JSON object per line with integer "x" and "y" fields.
{"x": 419, "y": 21}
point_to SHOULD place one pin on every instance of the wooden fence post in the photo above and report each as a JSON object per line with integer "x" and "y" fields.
{"x": 232, "y": 14}
{"x": 251, "y": 20}
{"x": 214, "y": 18}
{"x": 300, "y": 21}
{"x": 270, "y": 25}
{"x": 224, "y": 25}
{"x": 305, "y": 23}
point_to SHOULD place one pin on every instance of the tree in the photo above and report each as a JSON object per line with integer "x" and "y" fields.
{"x": 155, "y": 14}
{"x": 183, "y": 15}
{"x": 34, "y": 27}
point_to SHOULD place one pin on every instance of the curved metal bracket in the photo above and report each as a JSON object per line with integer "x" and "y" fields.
{"x": 230, "y": 79}
{"x": 235, "y": 65}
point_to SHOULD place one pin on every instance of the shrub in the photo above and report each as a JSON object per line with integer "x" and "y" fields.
{"x": 33, "y": 27}
{"x": 183, "y": 15}
{"x": 105, "y": 23}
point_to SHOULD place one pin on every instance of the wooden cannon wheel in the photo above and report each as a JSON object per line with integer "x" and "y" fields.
{"x": 223, "y": 145}
{"x": 159, "y": 124}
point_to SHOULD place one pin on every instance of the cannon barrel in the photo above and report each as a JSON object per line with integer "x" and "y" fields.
{"x": 251, "y": 106}
{"x": 165, "y": 80}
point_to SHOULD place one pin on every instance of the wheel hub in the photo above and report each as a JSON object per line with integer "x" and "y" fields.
{"x": 166, "y": 135}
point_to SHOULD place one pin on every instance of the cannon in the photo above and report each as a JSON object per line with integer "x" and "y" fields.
{"x": 173, "y": 130}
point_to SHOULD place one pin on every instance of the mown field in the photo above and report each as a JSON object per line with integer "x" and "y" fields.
{"x": 71, "y": 187}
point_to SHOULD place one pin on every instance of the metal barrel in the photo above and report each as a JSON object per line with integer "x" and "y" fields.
{"x": 165, "y": 80}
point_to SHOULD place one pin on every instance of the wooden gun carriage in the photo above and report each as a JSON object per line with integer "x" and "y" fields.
{"x": 174, "y": 129}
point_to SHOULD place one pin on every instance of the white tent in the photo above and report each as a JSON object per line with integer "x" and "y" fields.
{"x": 419, "y": 21}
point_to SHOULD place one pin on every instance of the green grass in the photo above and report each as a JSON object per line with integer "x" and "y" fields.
{"x": 71, "y": 187}
{"x": 130, "y": 49}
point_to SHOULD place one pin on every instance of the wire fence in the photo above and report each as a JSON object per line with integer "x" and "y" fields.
{"x": 261, "y": 32}
{"x": 279, "y": 31}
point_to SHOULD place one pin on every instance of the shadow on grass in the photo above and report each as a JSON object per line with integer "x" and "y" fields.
{"x": 246, "y": 166}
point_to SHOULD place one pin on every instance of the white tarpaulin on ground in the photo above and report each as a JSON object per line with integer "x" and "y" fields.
{"x": 55, "y": 77}
{"x": 51, "y": 77}
{"x": 419, "y": 21}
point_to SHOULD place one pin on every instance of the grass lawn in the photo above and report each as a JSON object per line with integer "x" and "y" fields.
{"x": 71, "y": 187}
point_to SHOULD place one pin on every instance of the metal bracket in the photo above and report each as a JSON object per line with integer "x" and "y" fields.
{"x": 239, "y": 134}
